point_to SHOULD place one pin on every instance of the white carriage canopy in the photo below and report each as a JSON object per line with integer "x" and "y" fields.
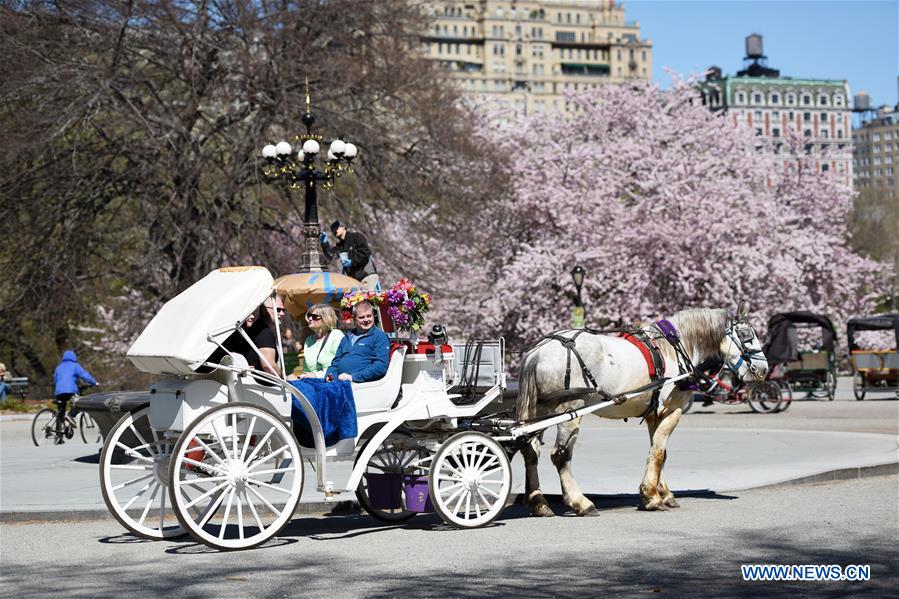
{"x": 175, "y": 341}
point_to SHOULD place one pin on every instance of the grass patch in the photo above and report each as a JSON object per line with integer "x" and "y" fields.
{"x": 24, "y": 406}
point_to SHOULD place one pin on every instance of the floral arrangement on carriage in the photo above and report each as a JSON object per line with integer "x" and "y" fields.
{"x": 403, "y": 305}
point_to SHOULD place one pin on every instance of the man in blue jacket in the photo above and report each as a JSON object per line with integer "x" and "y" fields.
{"x": 66, "y": 378}
{"x": 364, "y": 354}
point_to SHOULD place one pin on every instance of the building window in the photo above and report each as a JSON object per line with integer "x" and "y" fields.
{"x": 775, "y": 99}
{"x": 775, "y": 132}
{"x": 740, "y": 97}
{"x": 566, "y": 36}
{"x": 807, "y": 132}
{"x": 757, "y": 98}
{"x": 806, "y": 100}
{"x": 807, "y": 117}
{"x": 825, "y": 167}
{"x": 758, "y": 130}
{"x": 822, "y": 100}
{"x": 791, "y": 99}
{"x": 825, "y": 134}
{"x": 839, "y": 134}
{"x": 838, "y": 100}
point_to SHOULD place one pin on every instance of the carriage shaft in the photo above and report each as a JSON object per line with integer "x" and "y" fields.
{"x": 539, "y": 425}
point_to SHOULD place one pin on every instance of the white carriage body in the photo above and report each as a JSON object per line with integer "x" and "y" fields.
{"x": 426, "y": 390}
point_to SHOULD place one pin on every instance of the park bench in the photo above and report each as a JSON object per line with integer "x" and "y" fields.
{"x": 18, "y": 386}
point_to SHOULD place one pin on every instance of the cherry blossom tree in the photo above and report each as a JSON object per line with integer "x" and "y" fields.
{"x": 666, "y": 206}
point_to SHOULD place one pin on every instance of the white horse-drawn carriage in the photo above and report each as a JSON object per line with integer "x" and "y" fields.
{"x": 215, "y": 454}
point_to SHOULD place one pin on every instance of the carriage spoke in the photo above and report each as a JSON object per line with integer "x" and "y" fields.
{"x": 137, "y": 496}
{"x": 134, "y": 454}
{"x": 200, "y": 498}
{"x": 147, "y": 507}
{"x": 253, "y": 510}
{"x": 227, "y": 510}
{"x": 132, "y": 482}
{"x": 235, "y": 436}
{"x": 486, "y": 501}
{"x": 488, "y": 490}
{"x": 143, "y": 441}
{"x": 268, "y": 457}
{"x": 478, "y": 461}
{"x": 266, "y": 502}
{"x": 268, "y": 486}
{"x": 246, "y": 444}
{"x": 240, "y": 516}
{"x": 129, "y": 467}
{"x": 259, "y": 446}
{"x": 477, "y": 508}
{"x": 215, "y": 469}
{"x": 211, "y": 509}
{"x": 210, "y": 451}
{"x": 162, "y": 511}
{"x": 459, "y": 502}
{"x": 467, "y": 504}
{"x": 275, "y": 471}
{"x": 219, "y": 438}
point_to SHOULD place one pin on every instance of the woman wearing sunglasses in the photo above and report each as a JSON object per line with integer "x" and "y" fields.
{"x": 319, "y": 347}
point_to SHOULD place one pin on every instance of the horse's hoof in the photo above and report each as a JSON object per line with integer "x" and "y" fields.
{"x": 590, "y": 512}
{"x": 542, "y": 511}
{"x": 670, "y": 501}
{"x": 655, "y": 505}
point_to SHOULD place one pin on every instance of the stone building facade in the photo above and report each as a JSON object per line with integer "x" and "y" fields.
{"x": 759, "y": 97}
{"x": 877, "y": 152}
{"x": 528, "y": 53}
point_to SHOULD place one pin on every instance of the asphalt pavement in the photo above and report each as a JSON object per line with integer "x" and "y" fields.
{"x": 715, "y": 450}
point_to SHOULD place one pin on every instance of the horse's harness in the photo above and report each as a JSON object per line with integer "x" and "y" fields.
{"x": 738, "y": 332}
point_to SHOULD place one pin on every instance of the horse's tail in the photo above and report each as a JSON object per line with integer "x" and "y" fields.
{"x": 526, "y": 402}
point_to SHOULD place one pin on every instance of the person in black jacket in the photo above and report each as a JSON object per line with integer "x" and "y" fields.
{"x": 355, "y": 255}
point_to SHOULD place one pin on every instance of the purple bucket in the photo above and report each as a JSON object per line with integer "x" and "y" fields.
{"x": 384, "y": 490}
{"x": 417, "y": 497}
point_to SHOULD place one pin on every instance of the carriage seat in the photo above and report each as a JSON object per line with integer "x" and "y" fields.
{"x": 380, "y": 395}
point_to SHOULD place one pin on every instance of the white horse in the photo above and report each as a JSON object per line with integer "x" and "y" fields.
{"x": 618, "y": 366}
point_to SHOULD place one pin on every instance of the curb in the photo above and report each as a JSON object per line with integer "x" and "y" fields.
{"x": 350, "y": 506}
{"x": 13, "y": 417}
{"x": 857, "y": 472}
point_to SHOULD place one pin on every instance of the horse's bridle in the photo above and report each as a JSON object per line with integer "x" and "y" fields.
{"x": 740, "y": 333}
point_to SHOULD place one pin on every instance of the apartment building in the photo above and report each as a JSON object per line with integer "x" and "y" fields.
{"x": 877, "y": 152}
{"x": 760, "y": 98}
{"x": 529, "y": 53}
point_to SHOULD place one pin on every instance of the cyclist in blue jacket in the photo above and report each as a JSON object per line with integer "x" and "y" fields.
{"x": 66, "y": 378}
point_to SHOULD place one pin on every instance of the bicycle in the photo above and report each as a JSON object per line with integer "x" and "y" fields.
{"x": 763, "y": 397}
{"x": 46, "y": 428}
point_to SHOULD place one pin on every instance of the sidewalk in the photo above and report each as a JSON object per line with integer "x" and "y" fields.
{"x": 723, "y": 449}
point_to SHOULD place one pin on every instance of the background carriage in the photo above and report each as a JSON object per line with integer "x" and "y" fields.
{"x": 873, "y": 370}
{"x": 801, "y": 348}
{"x": 214, "y": 453}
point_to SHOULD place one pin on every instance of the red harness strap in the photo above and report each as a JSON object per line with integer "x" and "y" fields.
{"x": 645, "y": 350}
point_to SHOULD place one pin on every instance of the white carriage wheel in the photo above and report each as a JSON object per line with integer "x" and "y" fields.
{"x": 134, "y": 474}
{"x": 236, "y": 476}
{"x": 470, "y": 480}
{"x": 392, "y": 457}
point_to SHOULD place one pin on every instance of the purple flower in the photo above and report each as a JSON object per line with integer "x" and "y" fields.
{"x": 409, "y": 305}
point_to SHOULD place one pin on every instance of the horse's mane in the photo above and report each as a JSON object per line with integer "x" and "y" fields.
{"x": 701, "y": 329}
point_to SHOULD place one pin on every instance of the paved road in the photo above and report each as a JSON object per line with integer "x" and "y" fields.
{"x": 694, "y": 551}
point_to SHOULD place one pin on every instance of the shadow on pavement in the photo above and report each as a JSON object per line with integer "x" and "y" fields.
{"x": 666, "y": 566}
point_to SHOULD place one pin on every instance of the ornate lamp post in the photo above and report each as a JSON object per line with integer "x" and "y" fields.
{"x": 299, "y": 170}
{"x": 579, "y": 314}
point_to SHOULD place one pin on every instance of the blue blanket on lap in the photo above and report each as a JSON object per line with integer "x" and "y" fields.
{"x": 333, "y": 404}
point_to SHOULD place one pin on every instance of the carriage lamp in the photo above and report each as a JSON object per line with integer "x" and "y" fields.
{"x": 299, "y": 170}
